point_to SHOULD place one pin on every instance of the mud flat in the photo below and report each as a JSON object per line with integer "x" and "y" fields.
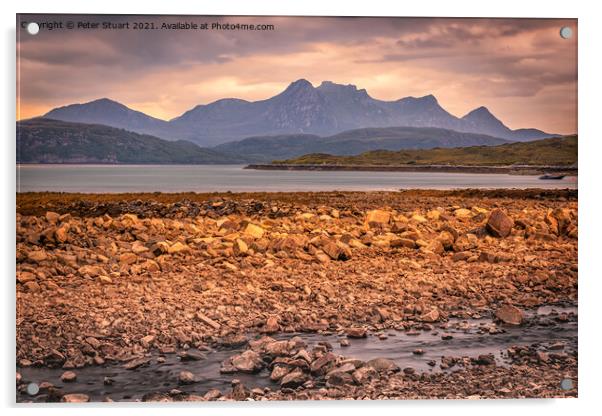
{"x": 416, "y": 294}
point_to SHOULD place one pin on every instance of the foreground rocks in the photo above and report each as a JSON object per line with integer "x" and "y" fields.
{"x": 105, "y": 282}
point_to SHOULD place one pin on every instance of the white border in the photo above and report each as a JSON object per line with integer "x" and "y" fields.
{"x": 590, "y": 217}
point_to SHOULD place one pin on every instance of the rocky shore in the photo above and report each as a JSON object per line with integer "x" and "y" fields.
{"x": 514, "y": 170}
{"x": 105, "y": 279}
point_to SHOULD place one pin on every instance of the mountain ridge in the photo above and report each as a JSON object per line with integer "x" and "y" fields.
{"x": 43, "y": 140}
{"x": 300, "y": 108}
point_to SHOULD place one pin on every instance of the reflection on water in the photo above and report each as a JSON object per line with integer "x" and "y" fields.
{"x": 221, "y": 178}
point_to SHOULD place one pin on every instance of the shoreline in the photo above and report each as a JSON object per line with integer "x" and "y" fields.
{"x": 107, "y": 280}
{"x": 512, "y": 170}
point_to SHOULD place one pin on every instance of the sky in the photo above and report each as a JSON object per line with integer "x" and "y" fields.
{"x": 522, "y": 70}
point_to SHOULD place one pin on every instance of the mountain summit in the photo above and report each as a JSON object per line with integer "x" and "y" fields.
{"x": 301, "y": 108}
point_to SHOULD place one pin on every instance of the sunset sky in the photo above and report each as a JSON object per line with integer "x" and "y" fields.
{"x": 522, "y": 70}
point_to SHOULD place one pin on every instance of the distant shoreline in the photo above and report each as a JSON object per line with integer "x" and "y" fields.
{"x": 515, "y": 170}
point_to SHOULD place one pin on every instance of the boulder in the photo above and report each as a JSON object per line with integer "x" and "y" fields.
{"x": 363, "y": 374}
{"x": 383, "y": 365}
{"x": 248, "y": 362}
{"x": 377, "y": 217}
{"x": 271, "y": 325}
{"x": 52, "y": 217}
{"x": 178, "y": 247}
{"x": 37, "y": 256}
{"x": 402, "y": 242}
{"x": 357, "y": 332}
{"x": 430, "y": 316}
{"x": 253, "y": 230}
{"x": 278, "y": 372}
{"x": 294, "y": 379}
{"x": 128, "y": 258}
{"x": 510, "y": 315}
{"x": 337, "y": 250}
{"x": 499, "y": 224}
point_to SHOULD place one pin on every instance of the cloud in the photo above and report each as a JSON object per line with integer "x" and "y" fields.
{"x": 502, "y": 63}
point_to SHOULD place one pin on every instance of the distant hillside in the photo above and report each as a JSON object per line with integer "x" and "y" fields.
{"x": 42, "y": 140}
{"x": 301, "y": 108}
{"x": 554, "y": 151}
{"x": 353, "y": 142}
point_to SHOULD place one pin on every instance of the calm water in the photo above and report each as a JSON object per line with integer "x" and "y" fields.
{"x": 470, "y": 339}
{"x": 213, "y": 178}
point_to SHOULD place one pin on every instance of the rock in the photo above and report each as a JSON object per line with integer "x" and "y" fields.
{"x": 178, "y": 248}
{"x": 510, "y": 315}
{"x": 186, "y": 377}
{"x": 159, "y": 248}
{"x": 191, "y": 355}
{"x": 137, "y": 362}
{"x": 37, "y": 256}
{"x": 402, "y": 242}
{"x": 75, "y": 398}
{"x": 24, "y": 277}
{"x": 461, "y": 256}
{"x": 433, "y": 215}
{"x": 485, "y": 359}
{"x": 205, "y": 319}
{"x": 447, "y": 239}
{"x": 147, "y": 340}
{"x": 499, "y": 224}
{"x": 239, "y": 391}
{"x": 240, "y": 247}
{"x": 278, "y": 372}
{"x": 271, "y": 325}
{"x": 248, "y": 362}
{"x": 465, "y": 243}
{"x": 383, "y": 365}
{"x": 409, "y": 370}
{"x": 52, "y": 217}
{"x": 68, "y": 376}
{"x": 253, "y": 230}
{"x": 321, "y": 364}
{"x": 62, "y": 233}
{"x": 32, "y": 287}
{"x": 294, "y": 379}
{"x": 377, "y": 217}
{"x": 105, "y": 280}
{"x": 363, "y": 374}
{"x": 430, "y": 316}
{"x": 337, "y": 250}
{"x": 339, "y": 378}
{"x": 90, "y": 270}
{"x": 436, "y": 247}
{"x": 344, "y": 342}
{"x": 463, "y": 213}
{"x": 128, "y": 258}
{"x": 357, "y": 332}
{"x": 212, "y": 395}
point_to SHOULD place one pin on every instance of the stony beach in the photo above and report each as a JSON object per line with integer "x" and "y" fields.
{"x": 128, "y": 279}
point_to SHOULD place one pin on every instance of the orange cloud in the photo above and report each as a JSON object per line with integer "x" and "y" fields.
{"x": 519, "y": 68}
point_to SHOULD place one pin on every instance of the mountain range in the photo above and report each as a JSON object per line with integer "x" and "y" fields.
{"x": 301, "y": 109}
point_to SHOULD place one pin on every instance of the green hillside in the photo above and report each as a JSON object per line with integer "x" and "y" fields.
{"x": 41, "y": 140}
{"x": 553, "y": 151}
